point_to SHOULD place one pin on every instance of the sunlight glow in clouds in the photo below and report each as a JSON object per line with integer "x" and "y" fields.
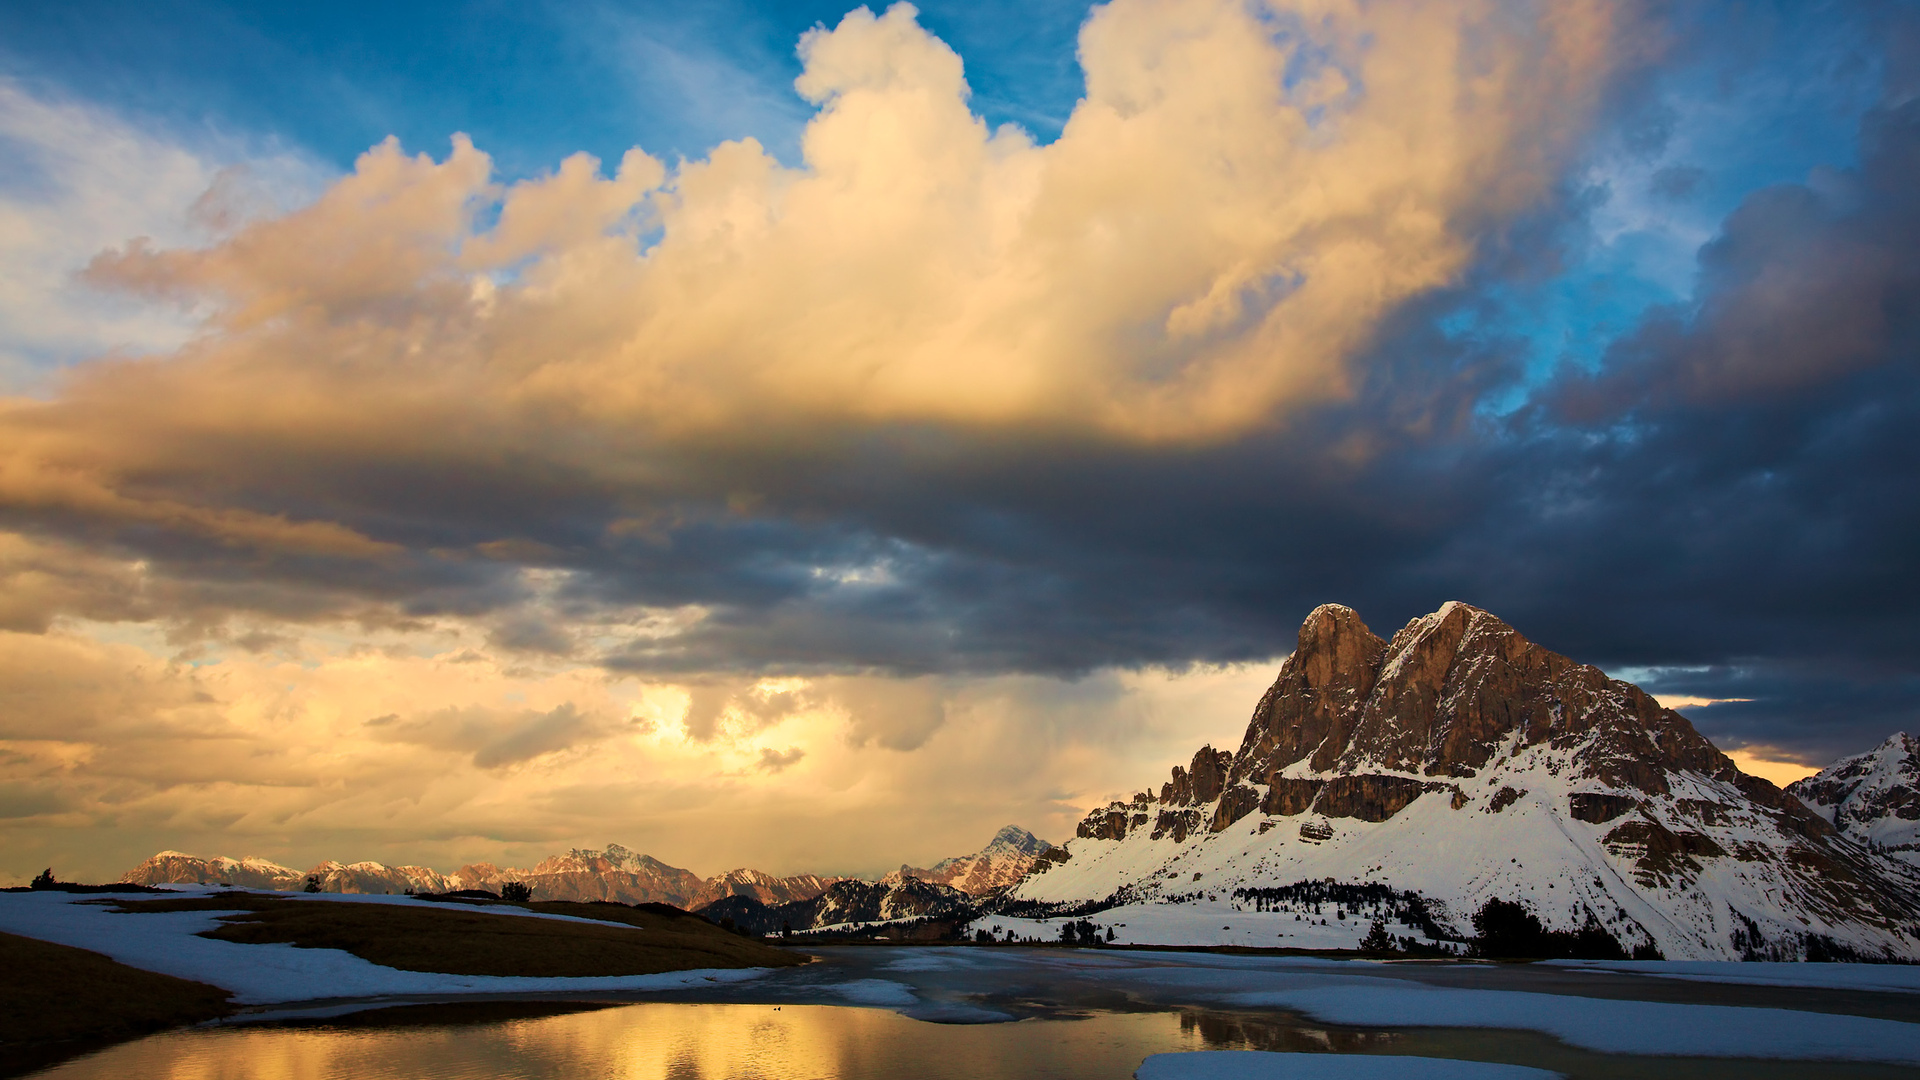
{"x": 732, "y": 510}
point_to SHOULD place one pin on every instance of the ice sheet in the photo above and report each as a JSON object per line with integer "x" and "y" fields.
{"x": 1609, "y": 1026}
{"x": 1262, "y": 1065}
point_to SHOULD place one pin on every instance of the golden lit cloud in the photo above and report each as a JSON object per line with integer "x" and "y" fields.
{"x": 326, "y": 571}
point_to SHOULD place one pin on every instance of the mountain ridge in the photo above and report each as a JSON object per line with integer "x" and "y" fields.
{"x": 614, "y": 873}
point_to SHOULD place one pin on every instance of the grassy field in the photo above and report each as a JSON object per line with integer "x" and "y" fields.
{"x": 458, "y": 939}
{"x": 57, "y": 1001}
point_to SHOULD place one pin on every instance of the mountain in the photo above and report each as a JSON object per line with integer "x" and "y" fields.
{"x": 850, "y": 903}
{"x": 616, "y": 874}
{"x": 1873, "y": 796}
{"x": 584, "y": 874}
{"x": 179, "y": 868}
{"x": 1004, "y": 861}
{"x": 765, "y": 888}
{"x": 1460, "y": 763}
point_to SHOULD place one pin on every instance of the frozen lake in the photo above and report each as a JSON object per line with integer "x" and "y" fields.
{"x": 1070, "y": 1014}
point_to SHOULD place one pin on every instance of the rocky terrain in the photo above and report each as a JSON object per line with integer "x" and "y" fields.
{"x": 1873, "y": 796}
{"x": 1460, "y": 763}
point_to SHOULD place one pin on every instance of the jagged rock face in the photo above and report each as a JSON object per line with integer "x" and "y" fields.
{"x": 1468, "y": 763}
{"x": 1873, "y": 796}
{"x": 1005, "y": 860}
{"x": 1444, "y": 695}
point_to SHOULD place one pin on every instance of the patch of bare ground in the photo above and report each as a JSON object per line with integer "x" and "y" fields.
{"x": 465, "y": 940}
{"x": 443, "y": 1014}
{"x": 58, "y": 1002}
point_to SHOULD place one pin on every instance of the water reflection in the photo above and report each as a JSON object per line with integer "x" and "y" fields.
{"x": 660, "y": 1041}
{"x": 690, "y": 1042}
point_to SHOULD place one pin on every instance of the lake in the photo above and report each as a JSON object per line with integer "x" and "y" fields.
{"x": 885, "y": 1014}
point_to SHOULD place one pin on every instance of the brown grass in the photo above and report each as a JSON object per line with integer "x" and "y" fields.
{"x": 474, "y": 941}
{"x": 57, "y": 1001}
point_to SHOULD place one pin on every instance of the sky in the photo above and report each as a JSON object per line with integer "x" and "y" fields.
{"x": 809, "y": 438}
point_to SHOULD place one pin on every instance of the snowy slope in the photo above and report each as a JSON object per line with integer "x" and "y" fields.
{"x": 1874, "y": 796}
{"x": 1461, "y": 763}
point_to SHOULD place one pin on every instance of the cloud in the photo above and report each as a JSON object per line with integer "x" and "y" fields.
{"x": 940, "y": 455}
{"x": 80, "y": 179}
{"x": 494, "y": 737}
{"x": 772, "y": 760}
{"x": 347, "y": 751}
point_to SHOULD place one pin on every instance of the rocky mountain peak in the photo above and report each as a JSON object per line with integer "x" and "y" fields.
{"x": 1468, "y": 763}
{"x": 1336, "y": 650}
{"x": 1016, "y": 839}
{"x": 1873, "y": 796}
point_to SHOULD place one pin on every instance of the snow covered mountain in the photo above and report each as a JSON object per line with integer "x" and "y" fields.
{"x": 1005, "y": 860}
{"x": 180, "y": 868}
{"x": 581, "y": 874}
{"x": 1415, "y": 779}
{"x": 252, "y": 872}
{"x": 1873, "y": 796}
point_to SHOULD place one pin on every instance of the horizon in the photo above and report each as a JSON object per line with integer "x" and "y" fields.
{"x": 777, "y": 433}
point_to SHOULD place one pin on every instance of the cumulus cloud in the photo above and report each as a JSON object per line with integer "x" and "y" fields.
{"x": 1239, "y": 199}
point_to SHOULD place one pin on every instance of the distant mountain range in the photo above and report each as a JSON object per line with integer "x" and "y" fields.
{"x": 615, "y": 874}
{"x": 1460, "y": 763}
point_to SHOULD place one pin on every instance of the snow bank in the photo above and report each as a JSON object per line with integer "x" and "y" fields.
{"x": 1900, "y": 978}
{"x": 1608, "y": 1026}
{"x": 1261, "y": 1065}
{"x": 168, "y": 943}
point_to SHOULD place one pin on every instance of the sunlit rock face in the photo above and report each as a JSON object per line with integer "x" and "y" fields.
{"x": 1462, "y": 762}
{"x": 1873, "y": 796}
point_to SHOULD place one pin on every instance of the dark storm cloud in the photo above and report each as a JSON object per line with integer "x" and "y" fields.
{"x": 1822, "y": 711}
